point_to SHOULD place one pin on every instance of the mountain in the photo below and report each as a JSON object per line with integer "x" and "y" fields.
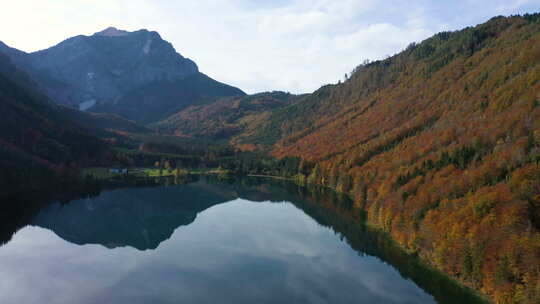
{"x": 438, "y": 145}
{"x": 225, "y": 118}
{"x": 137, "y": 75}
{"x": 38, "y": 142}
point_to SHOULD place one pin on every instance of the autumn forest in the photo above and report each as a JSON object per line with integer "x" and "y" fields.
{"x": 437, "y": 146}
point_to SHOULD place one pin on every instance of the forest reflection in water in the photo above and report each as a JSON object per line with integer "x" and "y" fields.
{"x": 206, "y": 239}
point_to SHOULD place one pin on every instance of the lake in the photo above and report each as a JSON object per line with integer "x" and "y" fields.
{"x": 210, "y": 241}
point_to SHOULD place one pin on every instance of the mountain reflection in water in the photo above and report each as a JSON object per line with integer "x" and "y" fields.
{"x": 200, "y": 243}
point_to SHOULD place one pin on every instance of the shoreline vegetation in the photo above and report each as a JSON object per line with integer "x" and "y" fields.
{"x": 104, "y": 173}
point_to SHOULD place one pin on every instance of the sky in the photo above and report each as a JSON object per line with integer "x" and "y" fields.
{"x": 258, "y": 45}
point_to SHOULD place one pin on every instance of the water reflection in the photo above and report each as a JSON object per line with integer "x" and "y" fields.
{"x": 210, "y": 246}
{"x": 140, "y": 217}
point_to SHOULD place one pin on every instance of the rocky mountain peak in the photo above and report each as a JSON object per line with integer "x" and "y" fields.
{"x": 135, "y": 74}
{"x": 112, "y": 32}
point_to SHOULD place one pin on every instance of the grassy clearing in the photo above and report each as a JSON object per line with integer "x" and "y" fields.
{"x": 106, "y": 173}
{"x": 99, "y": 173}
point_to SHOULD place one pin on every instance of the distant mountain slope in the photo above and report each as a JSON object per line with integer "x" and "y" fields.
{"x": 134, "y": 74}
{"x": 37, "y": 141}
{"x": 440, "y": 146}
{"x": 103, "y": 121}
{"x": 225, "y": 118}
{"x": 157, "y": 100}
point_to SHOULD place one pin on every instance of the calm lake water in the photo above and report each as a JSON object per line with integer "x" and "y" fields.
{"x": 247, "y": 241}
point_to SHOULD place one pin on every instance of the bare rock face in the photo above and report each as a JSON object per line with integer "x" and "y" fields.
{"x": 112, "y": 32}
{"x": 101, "y": 71}
{"x": 108, "y": 64}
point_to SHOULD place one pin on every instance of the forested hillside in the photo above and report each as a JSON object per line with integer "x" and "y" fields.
{"x": 103, "y": 121}
{"x": 225, "y": 118}
{"x": 440, "y": 146}
{"x": 38, "y": 143}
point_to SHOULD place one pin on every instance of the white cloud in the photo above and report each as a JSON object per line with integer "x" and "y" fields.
{"x": 294, "y": 45}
